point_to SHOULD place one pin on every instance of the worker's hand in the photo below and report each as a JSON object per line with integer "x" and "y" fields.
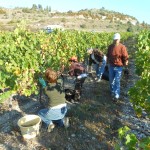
{"x": 126, "y": 63}
{"x": 42, "y": 82}
{"x": 60, "y": 71}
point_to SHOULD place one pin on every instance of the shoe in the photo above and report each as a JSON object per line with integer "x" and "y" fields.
{"x": 66, "y": 122}
{"x": 50, "y": 127}
{"x": 99, "y": 80}
{"x": 96, "y": 78}
{"x": 114, "y": 99}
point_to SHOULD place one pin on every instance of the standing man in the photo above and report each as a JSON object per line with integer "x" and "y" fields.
{"x": 117, "y": 57}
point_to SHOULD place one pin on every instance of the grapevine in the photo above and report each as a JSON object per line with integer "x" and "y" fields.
{"x": 25, "y": 55}
{"x": 140, "y": 93}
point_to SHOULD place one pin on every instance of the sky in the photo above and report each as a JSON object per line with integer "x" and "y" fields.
{"x": 140, "y": 9}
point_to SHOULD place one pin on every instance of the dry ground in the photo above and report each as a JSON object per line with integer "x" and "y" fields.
{"x": 93, "y": 123}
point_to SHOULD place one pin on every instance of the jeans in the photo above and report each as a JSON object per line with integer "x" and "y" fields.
{"x": 50, "y": 115}
{"x": 100, "y": 70}
{"x": 114, "y": 80}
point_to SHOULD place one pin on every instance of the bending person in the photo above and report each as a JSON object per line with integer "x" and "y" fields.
{"x": 78, "y": 70}
{"x": 99, "y": 60}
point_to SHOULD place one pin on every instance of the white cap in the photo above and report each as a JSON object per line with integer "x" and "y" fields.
{"x": 89, "y": 49}
{"x": 116, "y": 36}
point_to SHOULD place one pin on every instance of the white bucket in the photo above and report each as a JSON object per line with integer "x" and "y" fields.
{"x": 29, "y": 126}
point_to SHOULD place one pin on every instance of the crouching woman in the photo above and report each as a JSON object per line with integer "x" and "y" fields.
{"x": 56, "y": 107}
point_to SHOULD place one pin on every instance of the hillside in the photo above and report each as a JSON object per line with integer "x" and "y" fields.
{"x": 94, "y": 20}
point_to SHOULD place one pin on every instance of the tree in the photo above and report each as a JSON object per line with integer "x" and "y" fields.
{"x": 49, "y": 9}
{"x": 46, "y": 9}
{"x": 103, "y": 8}
{"x": 34, "y": 6}
{"x": 40, "y": 7}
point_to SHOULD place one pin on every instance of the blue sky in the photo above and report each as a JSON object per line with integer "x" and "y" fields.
{"x": 136, "y": 8}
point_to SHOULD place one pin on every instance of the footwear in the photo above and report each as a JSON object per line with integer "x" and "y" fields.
{"x": 99, "y": 80}
{"x": 114, "y": 99}
{"x": 50, "y": 127}
{"x": 66, "y": 122}
{"x": 96, "y": 78}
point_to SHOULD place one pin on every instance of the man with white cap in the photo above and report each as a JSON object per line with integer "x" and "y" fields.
{"x": 117, "y": 57}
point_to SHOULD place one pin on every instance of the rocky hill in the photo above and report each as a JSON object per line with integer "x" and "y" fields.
{"x": 94, "y": 20}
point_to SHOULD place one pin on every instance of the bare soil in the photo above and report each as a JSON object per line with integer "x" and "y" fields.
{"x": 94, "y": 122}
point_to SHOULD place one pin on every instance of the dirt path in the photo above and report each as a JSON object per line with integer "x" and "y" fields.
{"x": 94, "y": 122}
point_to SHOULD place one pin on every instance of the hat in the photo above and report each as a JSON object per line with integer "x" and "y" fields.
{"x": 73, "y": 58}
{"x": 116, "y": 36}
{"x": 89, "y": 49}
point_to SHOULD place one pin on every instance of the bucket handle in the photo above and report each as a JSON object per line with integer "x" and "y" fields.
{"x": 40, "y": 124}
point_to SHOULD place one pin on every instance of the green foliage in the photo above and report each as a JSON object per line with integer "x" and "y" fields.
{"x": 145, "y": 143}
{"x": 25, "y": 55}
{"x": 5, "y": 95}
{"x": 130, "y": 29}
{"x": 34, "y": 6}
{"x": 129, "y": 141}
{"x": 26, "y": 10}
{"x": 122, "y": 131}
{"x": 140, "y": 93}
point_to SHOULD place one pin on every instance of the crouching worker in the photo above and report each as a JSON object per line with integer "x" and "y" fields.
{"x": 56, "y": 109}
{"x": 78, "y": 70}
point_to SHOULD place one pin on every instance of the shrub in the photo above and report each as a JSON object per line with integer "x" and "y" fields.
{"x": 2, "y": 11}
{"x": 63, "y": 20}
{"x": 129, "y": 29}
{"x": 83, "y": 26}
{"x": 26, "y": 10}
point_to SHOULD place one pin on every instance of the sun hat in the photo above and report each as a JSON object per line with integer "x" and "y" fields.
{"x": 116, "y": 36}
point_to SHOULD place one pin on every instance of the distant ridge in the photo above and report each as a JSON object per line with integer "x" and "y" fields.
{"x": 95, "y": 20}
